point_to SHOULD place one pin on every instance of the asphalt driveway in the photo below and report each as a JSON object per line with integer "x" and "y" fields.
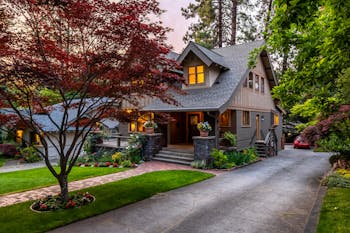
{"x": 275, "y": 195}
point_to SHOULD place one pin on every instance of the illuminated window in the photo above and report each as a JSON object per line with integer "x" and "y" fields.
{"x": 225, "y": 119}
{"x": 196, "y": 75}
{"x": 250, "y": 80}
{"x": 257, "y": 88}
{"x": 132, "y": 126}
{"x": 245, "y": 118}
{"x": 37, "y": 140}
{"x": 137, "y": 126}
{"x": 276, "y": 119}
{"x": 19, "y": 136}
{"x": 262, "y": 85}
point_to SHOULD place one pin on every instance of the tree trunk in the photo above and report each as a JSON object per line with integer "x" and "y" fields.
{"x": 268, "y": 17}
{"x": 233, "y": 22}
{"x": 284, "y": 62}
{"x": 63, "y": 181}
{"x": 220, "y": 32}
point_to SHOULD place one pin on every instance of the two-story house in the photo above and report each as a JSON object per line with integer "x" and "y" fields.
{"x": 221, "y": 89}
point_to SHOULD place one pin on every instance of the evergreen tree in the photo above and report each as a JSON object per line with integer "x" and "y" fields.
{"x": 225, "y": 22}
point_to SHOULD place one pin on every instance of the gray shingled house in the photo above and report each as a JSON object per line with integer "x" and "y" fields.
{"x": 221, "y": 89}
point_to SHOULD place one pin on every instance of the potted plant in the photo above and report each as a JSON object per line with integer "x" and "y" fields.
{"x": 150, "y": 126}
{"x": 204, "y": 128}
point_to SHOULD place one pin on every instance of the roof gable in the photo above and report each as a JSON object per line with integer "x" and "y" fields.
{"x": 218, "y": 96}
{"x": 209, "y": 57}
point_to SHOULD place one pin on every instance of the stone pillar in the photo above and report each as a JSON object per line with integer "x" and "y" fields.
{"x": 153, "y": 145}
{"x": 203, "y": 146}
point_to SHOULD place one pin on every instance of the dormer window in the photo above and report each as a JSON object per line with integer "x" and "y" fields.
{"x": 195, "y": 75}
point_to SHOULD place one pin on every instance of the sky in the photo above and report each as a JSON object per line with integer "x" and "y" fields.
{"x": 172, "y": 18}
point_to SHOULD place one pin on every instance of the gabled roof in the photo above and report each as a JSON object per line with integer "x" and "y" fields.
{"x": 219, "y": 95}
{"x": 209, "y": 57}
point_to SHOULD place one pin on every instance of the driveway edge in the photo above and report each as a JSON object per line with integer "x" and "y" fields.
{"x": 313, "y": 218}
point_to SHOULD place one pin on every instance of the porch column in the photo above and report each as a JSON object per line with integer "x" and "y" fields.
{"x": 153, "y": 146}
{"x": 203, "y": 146}
{"x": 216, "y": 129}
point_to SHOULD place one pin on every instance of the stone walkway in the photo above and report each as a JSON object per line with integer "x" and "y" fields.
{"x": 146, "y": 167}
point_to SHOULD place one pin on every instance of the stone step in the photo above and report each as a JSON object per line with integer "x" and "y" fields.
{"x": 172, "y": 160}
{"x": 184, "y": 158}
{"x": 176, "y": 153}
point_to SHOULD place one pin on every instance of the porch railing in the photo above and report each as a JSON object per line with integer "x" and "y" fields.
{"x": 271, "y": 143}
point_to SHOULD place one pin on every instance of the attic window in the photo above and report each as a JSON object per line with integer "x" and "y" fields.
{"x": 257, "y": 87}
{"x": 195, "y": 75}
{"x": 250, "y": 80}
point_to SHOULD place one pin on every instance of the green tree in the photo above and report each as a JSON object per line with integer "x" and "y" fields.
{"x": 223, "y": 23}
{"x": 315, "y": 35}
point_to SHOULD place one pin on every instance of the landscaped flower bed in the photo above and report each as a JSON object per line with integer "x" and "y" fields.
{"x": 53, "y": 203}
{"x": 131, "y": 156}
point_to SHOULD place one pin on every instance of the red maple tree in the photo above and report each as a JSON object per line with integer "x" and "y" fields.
{"x": 88, "y": 52}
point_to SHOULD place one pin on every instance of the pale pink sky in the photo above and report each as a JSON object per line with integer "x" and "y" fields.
{"x": 172, "y": 18}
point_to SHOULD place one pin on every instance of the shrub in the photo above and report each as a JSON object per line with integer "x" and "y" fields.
{"x": 117, "y": 157}
{"x": 238, "y": 158}
{"x": 231, "y": 138}
{"x": 252, "y": 153}
{"x": 91, "y": 141}
{"x": 344, "y": 172}
{"x": 133, "y": 154}
{"x": 53, "y": 203}
{"x": 8, "y": 150}
{"x": 220, "y": 159}
{"x": 337, "y": 180}
{"x": 30, "y": 154}
{"x": 126, "y": 163}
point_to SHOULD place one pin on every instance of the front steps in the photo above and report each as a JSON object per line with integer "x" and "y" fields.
{"x": 260, "y": 148}
{"x": 172, "y": 156}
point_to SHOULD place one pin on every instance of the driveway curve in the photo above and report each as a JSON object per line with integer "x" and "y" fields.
{"x": 272, "y": 196}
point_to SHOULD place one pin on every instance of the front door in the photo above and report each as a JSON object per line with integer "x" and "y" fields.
{"x": 257, "y": 123}
{"x": 193, "y": 120}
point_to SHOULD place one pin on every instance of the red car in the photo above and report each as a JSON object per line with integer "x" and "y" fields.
{"x": 300, "y": 142}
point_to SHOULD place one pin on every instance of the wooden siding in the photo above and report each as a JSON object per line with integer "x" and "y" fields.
{"x": 210, "y": 73}
{"x": 246, "y": 98}
{"x": 245, "y": 134}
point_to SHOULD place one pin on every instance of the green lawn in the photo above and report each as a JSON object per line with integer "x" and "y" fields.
{"x": 108, "y": 196}
{"x": 335, "y": 212}
{"x": 41, "y": 177}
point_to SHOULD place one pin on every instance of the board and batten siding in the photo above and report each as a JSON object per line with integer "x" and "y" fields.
{"x": 246, "y": 98}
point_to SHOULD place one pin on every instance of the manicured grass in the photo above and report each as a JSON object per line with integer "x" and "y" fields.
{"x": 41, "y": 177}
{"x": 108, "y": 196}
{"x": 335, "y": 212}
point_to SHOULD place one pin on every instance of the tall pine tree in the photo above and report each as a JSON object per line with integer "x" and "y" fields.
{"x": 225, "y": 22}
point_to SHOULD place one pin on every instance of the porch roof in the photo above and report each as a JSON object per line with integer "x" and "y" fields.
{"x": 219, "y": 96}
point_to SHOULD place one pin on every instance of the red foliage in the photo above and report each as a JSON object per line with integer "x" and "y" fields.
{"x": 324, "y": 127}
{"x": 82, "y": 49}
{"x": 8, "y": 150}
